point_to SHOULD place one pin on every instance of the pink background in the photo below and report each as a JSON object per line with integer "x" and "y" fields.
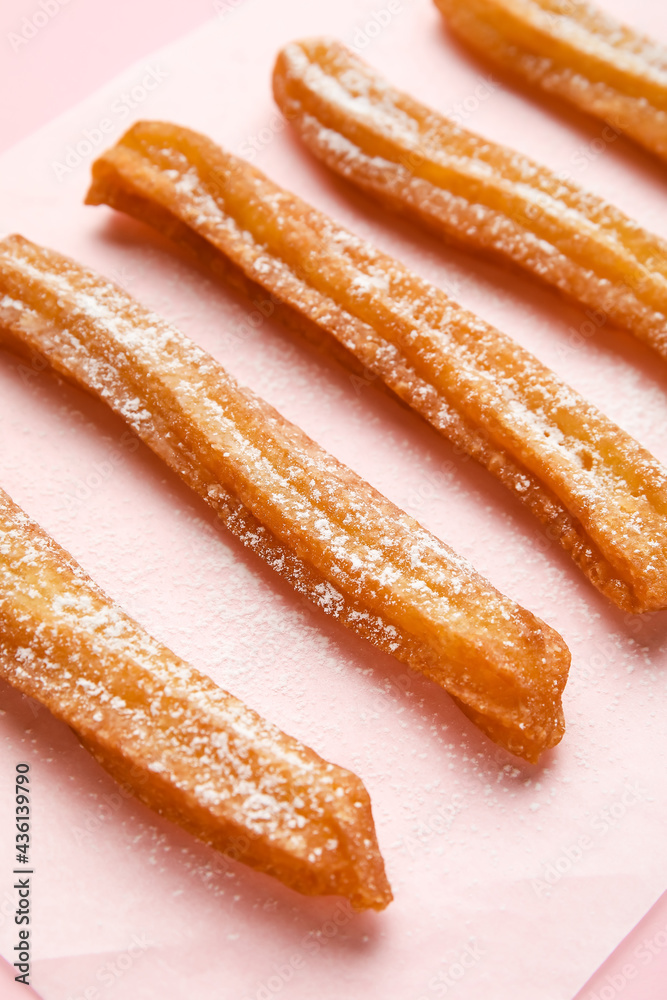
{"x": 85, "y": 45}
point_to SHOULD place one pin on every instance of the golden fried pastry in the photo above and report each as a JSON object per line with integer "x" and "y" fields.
{"x": 330, "y": 534}
{"x": 573, "y": 50}
{"x": 600, "y": 494}
{"x": 471, "y": 191}
{"x": 181, "y": 744}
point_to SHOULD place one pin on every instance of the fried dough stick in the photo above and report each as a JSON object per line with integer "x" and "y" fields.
{"x": 184, "y": 747}
{"x": 601, "y": 495}
{"x": 471, "y": 191}
{"x": 573, "y": 50}
{"x": 330, "y": 534}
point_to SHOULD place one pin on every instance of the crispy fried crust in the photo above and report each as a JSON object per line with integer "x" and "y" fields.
{"x": 573, "y": 50}
{"x": 472, "y": 192}
{"x": 312, "y": 519}
{"x": 601, "y": 495}
{"x": 182, "y": 745}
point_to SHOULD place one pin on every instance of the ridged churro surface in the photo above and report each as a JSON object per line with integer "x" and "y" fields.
{"x": 601, "y": 495}
{"x": 473, "y": 192}
{"x": 336, "y": 539}
{"x": 186, "y": 748}
{"x": 573, "y": 50}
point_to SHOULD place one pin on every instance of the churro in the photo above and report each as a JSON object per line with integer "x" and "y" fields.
{"x": 471, "y": 191}
{"x": 330, "y": 534}
{"x": 600, "y": 494}
{"x": 573, "y": 50}
{"x": 182, "y": 745}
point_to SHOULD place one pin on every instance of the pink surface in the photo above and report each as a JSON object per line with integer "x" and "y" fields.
{"x": 128, "y": 905}
{"x": 638, "y": 967}
{"x": 56, "y": 52}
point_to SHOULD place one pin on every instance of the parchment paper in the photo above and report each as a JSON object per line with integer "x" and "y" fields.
{"x": 511, "y": 881}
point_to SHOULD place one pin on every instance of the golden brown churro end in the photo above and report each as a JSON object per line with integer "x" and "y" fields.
{"x": 180, "y": 744}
